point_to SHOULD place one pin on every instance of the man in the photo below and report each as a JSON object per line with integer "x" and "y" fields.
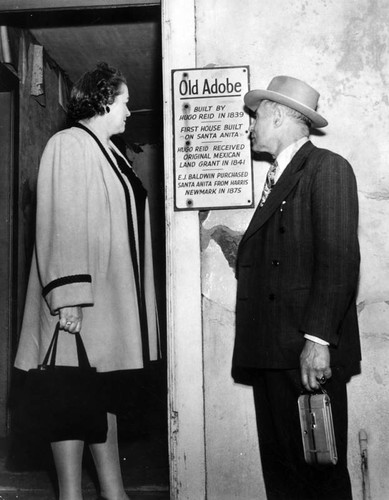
{"x": 297, "y": 270}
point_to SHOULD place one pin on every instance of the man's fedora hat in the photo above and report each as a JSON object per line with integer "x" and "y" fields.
{"x": 291, "y": 92}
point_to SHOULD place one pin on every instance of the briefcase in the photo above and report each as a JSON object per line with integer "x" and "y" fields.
{"x": 317, "y": 428}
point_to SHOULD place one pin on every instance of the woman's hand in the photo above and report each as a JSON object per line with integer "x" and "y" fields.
{"x": 70, "y": 319}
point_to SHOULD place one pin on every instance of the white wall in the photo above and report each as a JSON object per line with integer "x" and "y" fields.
{"x": 340, "y": 48}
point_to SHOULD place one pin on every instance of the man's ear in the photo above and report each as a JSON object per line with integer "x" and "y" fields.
{"x": 278, "y": 116}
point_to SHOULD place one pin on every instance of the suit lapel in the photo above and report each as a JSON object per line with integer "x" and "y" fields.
{"x": 282, "y": 188}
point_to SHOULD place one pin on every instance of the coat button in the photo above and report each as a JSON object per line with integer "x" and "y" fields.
{"x": 275, "y": 263}
{"x": 272, "y": 296}
{"x": 282, "y": 229}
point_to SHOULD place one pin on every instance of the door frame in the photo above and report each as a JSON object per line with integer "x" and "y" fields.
{"x": 9, "y": 83}
{"x": 42, "y": 5}
{"x": 183, "y": 262}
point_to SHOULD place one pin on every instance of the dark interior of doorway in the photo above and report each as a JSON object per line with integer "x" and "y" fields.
{"x": 143, "y": 433}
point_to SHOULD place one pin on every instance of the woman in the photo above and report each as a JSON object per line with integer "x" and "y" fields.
{"x": 92, "y": 267}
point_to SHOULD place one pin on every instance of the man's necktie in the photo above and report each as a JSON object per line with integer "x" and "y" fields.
{"x": 269, "y": 183}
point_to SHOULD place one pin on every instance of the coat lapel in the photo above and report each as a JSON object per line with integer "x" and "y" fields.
{"x": 287, "y": 181}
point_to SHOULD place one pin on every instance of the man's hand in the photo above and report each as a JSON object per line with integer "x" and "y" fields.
{"x": 314, "y": 364}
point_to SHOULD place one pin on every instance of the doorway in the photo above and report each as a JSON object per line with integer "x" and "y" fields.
{"x": 143, "y": 437}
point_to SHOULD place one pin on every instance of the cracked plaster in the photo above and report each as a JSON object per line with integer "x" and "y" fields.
{"x": 340, "y": 48}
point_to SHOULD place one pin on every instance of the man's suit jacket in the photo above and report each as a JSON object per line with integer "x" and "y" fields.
{"x": 298, "y": 266}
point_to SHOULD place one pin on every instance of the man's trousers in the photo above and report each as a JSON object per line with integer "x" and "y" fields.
{"x": 286, "y": 474}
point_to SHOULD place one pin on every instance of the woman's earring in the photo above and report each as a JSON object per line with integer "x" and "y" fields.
{"x": 107, "y": 109}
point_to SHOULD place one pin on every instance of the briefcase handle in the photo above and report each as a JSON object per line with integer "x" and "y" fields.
{"x": 51, "y": 354}
{"x": 321, "y": 390}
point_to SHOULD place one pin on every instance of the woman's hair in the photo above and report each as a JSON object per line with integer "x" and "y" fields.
{"x": 94, "y": 91}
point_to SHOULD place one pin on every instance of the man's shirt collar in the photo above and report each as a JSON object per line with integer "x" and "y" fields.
{"x": 286, "y": 155}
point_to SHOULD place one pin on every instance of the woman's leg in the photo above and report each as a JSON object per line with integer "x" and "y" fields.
{"x": 68, "y": 463}
{"x": 107, "y": 462}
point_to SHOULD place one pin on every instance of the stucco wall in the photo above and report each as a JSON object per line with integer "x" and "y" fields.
{"x": 340, "y": 48}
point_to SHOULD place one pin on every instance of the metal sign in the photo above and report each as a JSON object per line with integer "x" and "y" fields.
{"x": 212, "y": 158}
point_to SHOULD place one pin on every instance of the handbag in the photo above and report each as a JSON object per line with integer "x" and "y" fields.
{"x": 59, "y": 403}
{"x": 317, "y": 428}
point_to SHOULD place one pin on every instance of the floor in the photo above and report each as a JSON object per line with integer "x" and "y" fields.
{"x": 144, "y": 463}
{"x": 27, "y": 473}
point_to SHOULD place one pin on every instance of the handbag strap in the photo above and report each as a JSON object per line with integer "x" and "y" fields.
{"x": 83, "y": 360}
{"x": 51, "y": 354}
{"x": 52, "y": 350}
